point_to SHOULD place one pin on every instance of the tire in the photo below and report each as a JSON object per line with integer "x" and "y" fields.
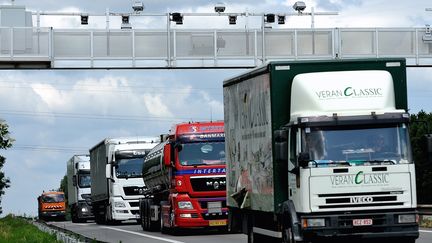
{"x": 163, "y": 229}
{"x": 287, "y": 235}
{"x": 255, "y": 238}
{"x": 74, "y": 215}
{"x": 152, "y": 225}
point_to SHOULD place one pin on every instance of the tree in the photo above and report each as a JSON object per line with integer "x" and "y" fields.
{"x": 64, "y": 186}
{"x": 420, "y": 126}
{"x": 5, "y": 142}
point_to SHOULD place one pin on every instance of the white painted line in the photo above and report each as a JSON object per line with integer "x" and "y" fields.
{"x": 145, "y": 235}
{"x": 426, "y": 231}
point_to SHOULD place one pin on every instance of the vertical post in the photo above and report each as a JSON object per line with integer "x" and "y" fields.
{"x": 11, "y": 42}
{"x": 133, "y": 48}
{"x": 376, "y": 42}
{"x": 416, "y": 47}
{"x": 91, "y": 48}
{"x": 312, "y": 17}
{"x": 107, "y": 19}
{"x": 216, "y": 48}
{"x": 263, "y": 39}
{"x": 38, "y": 19}
{"x": 168, "y": 40}
{"x": 255, "y": 48}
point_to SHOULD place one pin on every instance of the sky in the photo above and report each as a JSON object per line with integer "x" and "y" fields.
{"x": 54, "y": 114}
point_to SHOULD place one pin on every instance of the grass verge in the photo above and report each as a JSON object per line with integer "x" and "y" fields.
{"x": 16, "y": 229}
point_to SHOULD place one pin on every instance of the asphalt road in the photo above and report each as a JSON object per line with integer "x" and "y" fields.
{"x": 131, "y": 233}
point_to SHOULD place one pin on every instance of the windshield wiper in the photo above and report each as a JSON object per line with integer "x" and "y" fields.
{"x": 331, "y": 163}
{"x": 374, "y": 161}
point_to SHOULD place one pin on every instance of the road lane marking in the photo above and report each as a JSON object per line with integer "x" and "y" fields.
{"x": 145, "y": 235}
{"x": 425, "y": 231}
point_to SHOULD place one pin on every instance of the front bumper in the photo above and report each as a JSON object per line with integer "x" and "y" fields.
{"x": 129, "y": 212}
{"x": 53, "y": 214}
{"x": 201, "y": 215}
{"x": 384, "y": 224}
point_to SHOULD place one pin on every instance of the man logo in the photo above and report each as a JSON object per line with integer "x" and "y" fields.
{"x": 215, "y": 184}
{"x": 361, "y": 199}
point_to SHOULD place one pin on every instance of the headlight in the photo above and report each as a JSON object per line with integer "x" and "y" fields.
{"x": 318, "y": 222}
{"x": 84, "y": 209}
{"x": 185, "y": 205}
{"x": 407, "y": 218}
{"x": 119, "y": 205}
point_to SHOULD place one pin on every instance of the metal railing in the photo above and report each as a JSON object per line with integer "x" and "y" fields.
{"x": 198, "y": 48}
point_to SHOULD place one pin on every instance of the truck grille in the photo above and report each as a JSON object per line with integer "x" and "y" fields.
{"x": 200, "y": 184}
{"x": 133, "y": 190}
{"x": 203, "y": 204}
{"x": 134, "y": 204}
{"x": 360, "y": 199}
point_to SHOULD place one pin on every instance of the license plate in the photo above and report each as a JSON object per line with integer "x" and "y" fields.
{"x": 217, "y": 222}
{"x": 362, "y": 222}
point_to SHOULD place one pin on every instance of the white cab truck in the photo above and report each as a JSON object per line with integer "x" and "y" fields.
{"x": 320, "y": 150}
{"x": 79, "y": 186}
{"x": 117, "y": 185}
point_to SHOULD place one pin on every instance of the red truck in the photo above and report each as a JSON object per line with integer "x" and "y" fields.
{"x": 185, "y": 179}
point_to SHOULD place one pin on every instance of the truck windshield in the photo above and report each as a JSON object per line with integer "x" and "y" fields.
{"x": 129, "y": 168}
{"x": 212, "y": 153}
{"x": 53, "y": 198}
{"x": 84, "y": 180}
{"x": 357, "y": 145}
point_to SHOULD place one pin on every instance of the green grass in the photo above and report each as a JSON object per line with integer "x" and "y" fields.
{"x": 15, "y": 229}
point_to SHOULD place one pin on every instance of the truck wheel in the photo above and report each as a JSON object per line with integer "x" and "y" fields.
{"x": 256, "y": 238}
{"x": 141, "y": 212}
{"x": 287, "y": 235}
{"x": 152, "y": 225}
{"x": 73, "y": 215}
{"x": 163, "y": 229}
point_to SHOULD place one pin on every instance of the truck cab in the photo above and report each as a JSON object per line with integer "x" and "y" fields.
{"x": 185, "y": 179}
{"x": 117, "y": 186}
{"x": 79, "y": 188}
{"x": 319, "y": 150}
{"x": 51, "y": 205}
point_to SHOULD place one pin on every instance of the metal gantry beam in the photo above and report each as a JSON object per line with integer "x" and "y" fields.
{"x": 194, "y": 48}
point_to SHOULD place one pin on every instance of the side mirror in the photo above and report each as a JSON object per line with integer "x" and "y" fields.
{"x": 108, "y": 171}
{"x": 303, "y": 159}
{"x": 167, "y": 155}
{"x": 74, "y": 180}
{"x": 281, "y": 145}
{"x": 178, "y": 146}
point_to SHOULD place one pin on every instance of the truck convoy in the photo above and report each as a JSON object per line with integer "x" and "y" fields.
{"x": 116, "y": 166}
{"x": 79, "y": 183}
{"x": 320, "y": 149}
{"x": 51, "y": 205}
{"x": 185, "y": 179}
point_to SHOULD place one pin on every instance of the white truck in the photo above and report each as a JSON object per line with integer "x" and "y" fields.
{"x": 116, "y": 173}
{"x": 79, "y": 183}
{"x": 318, "y": 150}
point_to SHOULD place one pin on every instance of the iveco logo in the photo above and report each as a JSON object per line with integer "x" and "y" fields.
{"x": 361, "y": 199}
{"x": 215, "y": 184}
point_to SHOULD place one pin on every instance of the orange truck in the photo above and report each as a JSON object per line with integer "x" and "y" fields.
{"x": 52, "y": 205}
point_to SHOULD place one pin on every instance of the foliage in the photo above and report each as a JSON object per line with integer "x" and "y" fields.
{"x": 420, "y": 126}
{"x": 5, "y": 142}
{"x": 64, "y": 186}
{"x": 14, "y": 229}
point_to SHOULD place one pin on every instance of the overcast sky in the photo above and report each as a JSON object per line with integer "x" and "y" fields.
{"x": 55, "y": 114}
